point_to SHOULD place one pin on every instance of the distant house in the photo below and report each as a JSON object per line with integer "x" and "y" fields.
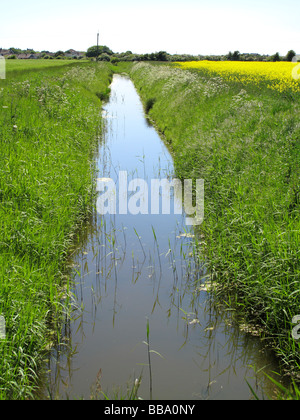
{"x": 29, "y": 56}
{"x": 73, "y": 54}
{"x": 4, "y": 52}
{"x": 23, "y": 56}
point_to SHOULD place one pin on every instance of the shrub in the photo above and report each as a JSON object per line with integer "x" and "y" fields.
{"x": 103, "y": 57}
{"x": 149, "y": 104}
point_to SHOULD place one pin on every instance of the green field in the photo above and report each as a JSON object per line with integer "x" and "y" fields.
{"x": 244, "y": 142}
{"x": 50, "y": 123}
{"x": 18, "y": 66}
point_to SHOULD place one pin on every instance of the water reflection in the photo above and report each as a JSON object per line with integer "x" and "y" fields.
{"x": 128, "y": 269}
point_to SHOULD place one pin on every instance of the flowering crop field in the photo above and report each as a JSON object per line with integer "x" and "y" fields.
{"x": 280, "y": 76}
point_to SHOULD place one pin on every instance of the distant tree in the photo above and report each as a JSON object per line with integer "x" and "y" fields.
{"x": 15, "y": 51}
{"x": 59, "y": 54}
{"x": 95, "y": 51}
{"x": 236, "y": 56}
{"x": 290, "y": 55}
{"x": 161, "y": 56}
{"x": 275, "y": 57}
{"x": 229, "y": 56}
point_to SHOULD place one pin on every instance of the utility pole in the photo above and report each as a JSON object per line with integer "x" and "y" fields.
{"x": 97, "y": 45}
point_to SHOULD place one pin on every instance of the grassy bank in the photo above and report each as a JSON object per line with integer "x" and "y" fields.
{"x": 243, "y": 140}
{"x": 50, "y": 122}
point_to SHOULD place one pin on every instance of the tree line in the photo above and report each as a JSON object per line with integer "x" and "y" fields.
{"x": 103, "y": 53}
{"x": 237, "y": 56}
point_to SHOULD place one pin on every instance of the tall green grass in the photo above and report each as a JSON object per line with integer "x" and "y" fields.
{"x": 244, "y": 142}
{"x": 50, "y": 122}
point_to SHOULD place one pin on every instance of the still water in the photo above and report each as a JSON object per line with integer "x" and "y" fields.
{"x": 133, "y": 268}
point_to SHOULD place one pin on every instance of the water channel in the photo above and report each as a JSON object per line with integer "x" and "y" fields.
{"x": 133, "y": 268}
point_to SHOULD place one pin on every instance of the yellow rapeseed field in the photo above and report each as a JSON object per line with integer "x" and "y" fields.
{"x": 279, "y": 76}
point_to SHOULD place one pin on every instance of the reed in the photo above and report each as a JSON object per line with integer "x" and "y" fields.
{"x": 50, "y": 123}
{"x": 243, "y": 140}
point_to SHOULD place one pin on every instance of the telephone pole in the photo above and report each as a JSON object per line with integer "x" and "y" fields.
{"x": 97, "y": 45}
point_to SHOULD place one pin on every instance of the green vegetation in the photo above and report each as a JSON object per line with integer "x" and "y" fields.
{"x": 104, "y": 53}
{"x": 14, "y": 68}
{"x": 95, "y": 51}
{"x": 50, "y": 127}
{"x": 244, "y": 142}
{"x": 237, "y": 56}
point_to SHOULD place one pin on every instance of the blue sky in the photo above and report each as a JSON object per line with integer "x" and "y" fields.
{"x": 176, "y": 26}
